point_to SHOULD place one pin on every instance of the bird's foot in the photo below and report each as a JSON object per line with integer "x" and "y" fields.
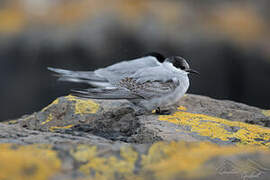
{"x": 163, "y": 112}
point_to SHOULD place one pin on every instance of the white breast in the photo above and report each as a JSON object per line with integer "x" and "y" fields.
{"x": 178, "y": 93}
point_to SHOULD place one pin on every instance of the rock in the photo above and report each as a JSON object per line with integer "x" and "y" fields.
{"x": 103, "y": 139}
{"x": 161, "y": 160}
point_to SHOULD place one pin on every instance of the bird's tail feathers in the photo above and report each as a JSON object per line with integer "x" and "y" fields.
{"x": 88, "y": 77}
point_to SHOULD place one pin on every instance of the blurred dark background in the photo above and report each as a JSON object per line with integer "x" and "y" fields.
{"x": 227, "y": 41}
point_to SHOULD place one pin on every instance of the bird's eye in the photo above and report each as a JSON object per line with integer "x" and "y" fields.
{"x": 182, "y": 67}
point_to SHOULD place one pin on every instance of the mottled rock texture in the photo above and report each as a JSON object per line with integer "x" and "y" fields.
{"x": 76, "y": 138}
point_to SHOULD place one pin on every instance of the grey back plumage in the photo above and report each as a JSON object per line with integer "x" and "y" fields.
{"x": 105, "y": 77}
{"x": 118, "y": 71}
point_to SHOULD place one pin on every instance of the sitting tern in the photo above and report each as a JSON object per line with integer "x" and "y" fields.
{"x": 152, "y": 82}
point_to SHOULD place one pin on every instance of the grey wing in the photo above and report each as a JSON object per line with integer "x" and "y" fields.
{"x": 126, "y": 68}
{"x": 149, "y": 89}
{"x": 128, "y": 88}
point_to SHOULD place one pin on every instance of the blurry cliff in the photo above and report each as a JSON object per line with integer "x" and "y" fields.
{"x": 227, "y": 41}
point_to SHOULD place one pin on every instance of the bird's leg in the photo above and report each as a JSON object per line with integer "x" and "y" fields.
{"x": 158, "y": 110}
{"x": 163, "y": 112}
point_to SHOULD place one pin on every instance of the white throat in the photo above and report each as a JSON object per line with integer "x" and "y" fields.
{"x": 170, "y": 67}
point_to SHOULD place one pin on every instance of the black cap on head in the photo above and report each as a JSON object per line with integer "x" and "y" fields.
{"x": 179, "y": 62}
{"x": 158, "y": 56}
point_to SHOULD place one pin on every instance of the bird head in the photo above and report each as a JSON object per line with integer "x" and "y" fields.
{"x": 180, "y": 63}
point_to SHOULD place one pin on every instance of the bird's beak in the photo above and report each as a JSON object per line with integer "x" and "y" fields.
{"x": 192, "y": 71}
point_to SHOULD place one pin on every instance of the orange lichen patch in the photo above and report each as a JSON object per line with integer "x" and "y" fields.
{"x": 28, "y": 162}
{"x": 181, "y": 159}
{"x": 53, "y": 128}
{"x": 106, "y": 167}
{"x": 222, "y": 129}
{"x": 266, "y": 112}
{"x": 83, "y": 106}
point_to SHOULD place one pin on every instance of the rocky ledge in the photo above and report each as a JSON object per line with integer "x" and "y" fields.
{"x": 76, "y": 138}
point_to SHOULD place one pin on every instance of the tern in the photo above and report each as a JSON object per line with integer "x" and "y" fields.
{"x": 152, "y": 82}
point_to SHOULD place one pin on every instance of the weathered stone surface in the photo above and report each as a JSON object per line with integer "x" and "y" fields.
{"x": 226, "y": 109}
{"x": 161, "y": 160}
{"x": 197, "y": 118}
{"x": 76, "y": 138}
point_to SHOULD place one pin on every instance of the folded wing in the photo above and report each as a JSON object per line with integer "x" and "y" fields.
{"x": 148, "y": 89}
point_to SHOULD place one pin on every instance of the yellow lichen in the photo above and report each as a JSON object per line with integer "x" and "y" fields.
{"x": 266, "y": 112}
{"x": 164, "y": 160}
{"x": 49, "y": 118}
{"x": 11, "y": 122}
{"x": 53, "y": 128}
{"x": 222, "y": 129}
{"x": 83, "y": 106}
{"x": 182, "y": 108}
{"x": 53, "y": 103}
{"x": 106, "y": 167}
{"x": 28, "y": 162}
{"x": 182, "y": 159}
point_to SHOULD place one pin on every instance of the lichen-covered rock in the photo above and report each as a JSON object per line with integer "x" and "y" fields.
{"x": 161, "y": 160}
{"x": 197, "y": 118}
{"x": 78, "y": 138}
